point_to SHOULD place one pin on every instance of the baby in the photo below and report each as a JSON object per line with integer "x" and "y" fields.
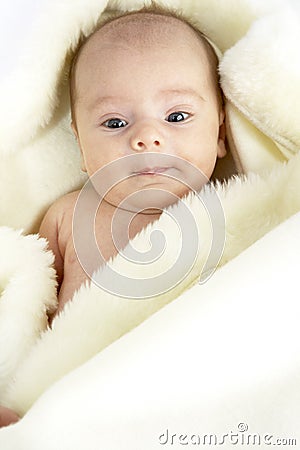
{"x": 145, "y": 84}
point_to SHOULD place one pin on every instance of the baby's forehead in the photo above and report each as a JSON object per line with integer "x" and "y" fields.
{"x": 143, "y": 25}
{"x": 143, "y": 29}
{"x": 141, "y": 35}
{"x": 164, "y": 40}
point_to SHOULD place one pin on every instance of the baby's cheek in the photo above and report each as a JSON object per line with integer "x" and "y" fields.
{"x": 205, "y": 161}
{"x": 95, "y": 161}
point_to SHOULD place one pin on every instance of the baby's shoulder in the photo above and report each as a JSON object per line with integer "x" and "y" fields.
{"x": 66, "y": 202}
{"x": 61, "y": 208}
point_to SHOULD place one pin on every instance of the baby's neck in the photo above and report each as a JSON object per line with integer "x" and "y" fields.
{"x": 115, "y": 227}
{"x": 126, "y": 224}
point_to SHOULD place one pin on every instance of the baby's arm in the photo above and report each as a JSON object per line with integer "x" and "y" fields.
{"x": 7, "y": 416}
{"x": 49, "y": 229}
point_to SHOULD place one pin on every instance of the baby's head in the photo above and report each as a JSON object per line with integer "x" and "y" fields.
{"x": 146, "y": 83}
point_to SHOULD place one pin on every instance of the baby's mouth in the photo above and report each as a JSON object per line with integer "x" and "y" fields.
{"x": 151, "y": 171}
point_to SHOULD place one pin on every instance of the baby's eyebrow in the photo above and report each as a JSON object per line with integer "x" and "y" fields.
{"x": 112, "y": 99}
{"x": 107, "y": 99}
{"x": 187, "y": 92}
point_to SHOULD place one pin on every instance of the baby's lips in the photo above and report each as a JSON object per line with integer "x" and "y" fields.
{"x": 153, "y": 162}
{"x": 151, "y": 171}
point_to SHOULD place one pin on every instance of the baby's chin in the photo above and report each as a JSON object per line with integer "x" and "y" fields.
{"x": 149, "y": 198}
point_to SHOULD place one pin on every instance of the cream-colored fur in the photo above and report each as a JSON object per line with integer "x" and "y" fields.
{"x": 267, "y": 107}
{"x": 27, "y": 291}
{"x": 222, "y": 354}
{"x": 95, "y": 318}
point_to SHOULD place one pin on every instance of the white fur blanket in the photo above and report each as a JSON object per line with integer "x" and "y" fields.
{"x": 261, "y": 85}
{"x": 221, "y": 360}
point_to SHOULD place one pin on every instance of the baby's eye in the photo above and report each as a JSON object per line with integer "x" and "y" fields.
{"x": 114, "y": 123}
{"x": 177, "y": 116}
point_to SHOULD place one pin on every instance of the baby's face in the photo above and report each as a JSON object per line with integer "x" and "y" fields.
{"x": 147, "y": 99}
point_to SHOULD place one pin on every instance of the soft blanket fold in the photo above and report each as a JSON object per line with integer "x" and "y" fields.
{"x": 95, "y": 318}
{"x": 27, "y": 291}
{"x": 223, "y": 359}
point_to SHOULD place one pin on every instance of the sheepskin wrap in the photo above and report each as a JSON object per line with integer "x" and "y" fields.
{"x": 262, "y": 119}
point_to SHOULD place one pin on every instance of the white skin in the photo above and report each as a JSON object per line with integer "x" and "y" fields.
{"x": 148, "y": 84}
{"x": 142, "y": 84}
{"x": 144, "y": 87}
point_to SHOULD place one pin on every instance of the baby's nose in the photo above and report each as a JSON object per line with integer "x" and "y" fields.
{"x": 145, "y": 138}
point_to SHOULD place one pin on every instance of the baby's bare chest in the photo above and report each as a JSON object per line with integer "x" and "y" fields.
{"x": 85, "y": 251}
{"x": 80, "y": 260}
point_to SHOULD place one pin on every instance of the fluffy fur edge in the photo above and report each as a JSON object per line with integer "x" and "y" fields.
{"x": 262, "y": 81}
{"x": 27, "y": 291}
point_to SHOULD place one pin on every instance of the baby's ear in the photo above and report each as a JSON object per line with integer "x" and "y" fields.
{"x": 73, "y": 126}
{"x": 222, "y": 136}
